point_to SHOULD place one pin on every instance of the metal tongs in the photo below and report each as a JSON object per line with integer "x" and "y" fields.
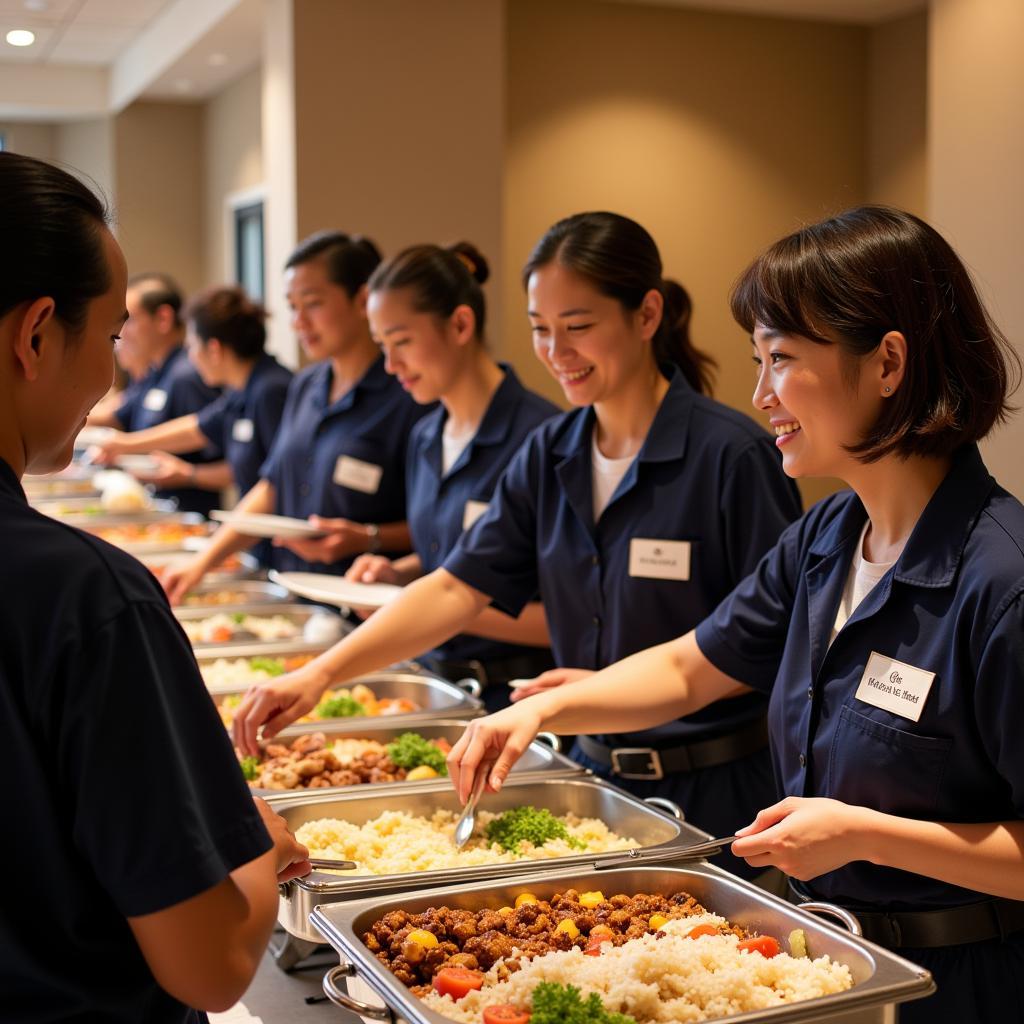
{"x": 698, "y": 850}
{"x": 464, "y": 826}
{"x": 326, "y": 864}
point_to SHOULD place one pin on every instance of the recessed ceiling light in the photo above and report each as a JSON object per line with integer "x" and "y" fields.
{"x": 217, "y": 60}
{"x": 36, "y": 5}
{"x": 21, "y": 37}
{"x": 183, "y": 85}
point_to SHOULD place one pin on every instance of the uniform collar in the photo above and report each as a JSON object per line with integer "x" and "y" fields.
{"x": 493, "y": 430}
{"x": 666, "y": 439}
{"x": 933, "y": 553}
{"x": 169, "y": 360}
{"x": 374, "y": 379}
{"x": 260, "y": 367}
{"x": 10, "y": 483}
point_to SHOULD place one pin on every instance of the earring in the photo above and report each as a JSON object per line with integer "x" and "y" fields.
{"x": 888, "y": 390}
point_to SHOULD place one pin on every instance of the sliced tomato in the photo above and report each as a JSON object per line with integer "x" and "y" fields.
{"x": 701, "y": 929}
{"x": 457, "y": 981}
{"x": 763, "y": 944}
{"x": 505, "y": 1014}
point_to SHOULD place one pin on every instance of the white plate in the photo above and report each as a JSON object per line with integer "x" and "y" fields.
{"x": 260, "y": 524}
{"x": 138, "y": 464}
{"x": 336, "y": 590}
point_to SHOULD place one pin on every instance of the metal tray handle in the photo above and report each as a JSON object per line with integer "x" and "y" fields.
{"x": 344, "y": 1000}
{"x": 844, "y": 917}
{"x": 471, "y": 686}
{"x": 551, "y": 740}
{"x": 669, "y": 807}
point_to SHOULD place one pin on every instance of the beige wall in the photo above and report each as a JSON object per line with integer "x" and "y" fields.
{"x": 232, "y": 148}
{"x": 88, "y": 147}
{"x": 897, "y": 113}
{"x": 700, "y": 126}
{"x": 399, "y": 135}
{"x": 975, "y": 155}
{"x": 29, "y": 139}
{"x": 158, "y": 168}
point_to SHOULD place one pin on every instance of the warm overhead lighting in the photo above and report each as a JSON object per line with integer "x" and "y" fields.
{"x": 36, "y": 5}
{"x": 21, "y": 37}
{"x": 217, "y": 60}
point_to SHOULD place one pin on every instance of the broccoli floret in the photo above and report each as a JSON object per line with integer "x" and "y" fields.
{"x": 340, "y": 707}
{"x": 272, "y": 666}
{"x": 528, "y": 824}
{"x": 250, "y": 767}
{"x": 411, "y": 750}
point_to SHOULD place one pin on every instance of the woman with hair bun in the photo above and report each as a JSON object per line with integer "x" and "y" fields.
{"x": 631, "y": 516}
{"x": 225, "y": 337}
{"x": 338, "y": 458}
{"x": 427, "y": 313}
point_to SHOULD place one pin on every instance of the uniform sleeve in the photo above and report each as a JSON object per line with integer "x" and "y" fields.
{"x": 999, "y": 695}
{"x": 758, "y": 502}
{"x": 745, "y": 635}
{"x": 211, "y": 419}
{"x": 498, "y": 554}
{"x": 128, "y": 409}
{"x": 270, "y": 470}
{"x": 160, "y": 809}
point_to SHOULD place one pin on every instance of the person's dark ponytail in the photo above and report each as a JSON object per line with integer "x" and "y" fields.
{"x": 672, "y": 342}
{"x": 621, "y": 260}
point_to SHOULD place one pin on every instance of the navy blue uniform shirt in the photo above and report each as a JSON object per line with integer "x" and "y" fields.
{"x": 344, "y": 459}
{"x": 173, "y": 389}
{"x": 243, "y": 424}
{"x": 441, "y": 507}
{"x": 126, "y": 796}
{"x": 706, "y": 478}
{"x": 952, "y": 605}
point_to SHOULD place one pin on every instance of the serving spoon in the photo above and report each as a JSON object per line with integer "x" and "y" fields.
{"x": 464, "y": 826}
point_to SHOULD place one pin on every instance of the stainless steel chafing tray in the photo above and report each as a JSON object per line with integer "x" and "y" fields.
{"x": 300, "y": 614}
{"x": 75, "y": 481}
{"x": 88, "y": 511}
{"x": 155, "y": 545}
{"x": 436, "y": 697}
{"x": 248, "y": 566}
{"x": 251, "y": 592}
{"x": 659, "y": 837}
{"x": 540, "y": 760}
{"x": 879, "y": 976}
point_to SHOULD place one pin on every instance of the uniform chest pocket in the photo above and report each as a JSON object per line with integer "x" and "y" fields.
{"x": 875, "y": 765}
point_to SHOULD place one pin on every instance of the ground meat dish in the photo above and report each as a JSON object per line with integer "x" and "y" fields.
{"x": 479, "y": 939}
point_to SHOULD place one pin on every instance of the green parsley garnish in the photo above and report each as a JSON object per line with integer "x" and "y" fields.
{"x": 238, "y": 617}
{"x": 528, "y": 824}
{"x": 563, "y": 1004}
{"x": 272, "y": 666}
{"x": 411, "y": 750}
{"x": 250, "y": 767}
{"x": 340, "y": 707}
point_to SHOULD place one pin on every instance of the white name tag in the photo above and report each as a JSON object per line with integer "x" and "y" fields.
{"x": 659, "y": 559}
{"x": 242, "y": 431}
{"x": 155, "y": 400}
{"x": 894, "y": 686}
{"x": 473, "y": 511}
{"x": 357, "y": 475}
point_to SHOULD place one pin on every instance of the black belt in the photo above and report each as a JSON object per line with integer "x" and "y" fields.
{"x": 994, "y": 918}
{"x": 495, "y": 670}
{"x": 650, "y": 763}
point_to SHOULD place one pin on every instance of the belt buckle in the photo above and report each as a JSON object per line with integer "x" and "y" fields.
{"x": 653, "y": 770}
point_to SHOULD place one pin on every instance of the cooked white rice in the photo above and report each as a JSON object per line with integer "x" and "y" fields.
{"x": 666, "y": 979}
{"x": 265, "y": 627}
{"x": 232, "y": 673}
{"x": 397, "y": 842}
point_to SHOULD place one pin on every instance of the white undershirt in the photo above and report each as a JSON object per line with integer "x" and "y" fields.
{"x": 452, "y": 446}
{"x": 860, "y": 582}
{"x": 605, "y": 475}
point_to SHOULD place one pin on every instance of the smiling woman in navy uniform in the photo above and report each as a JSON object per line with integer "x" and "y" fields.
{"x": 887, "y": 625}
{"x": 225, "y": 340}
{"x": 632, "y": 517}
{"x": 160, "y": 871}
{"x": 427, "y": 313}
{"x": 339, "y": 454}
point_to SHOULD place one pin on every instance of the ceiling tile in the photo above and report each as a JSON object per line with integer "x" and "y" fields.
{"x": 120, "y": 12}
{"x": 24, "y": 54}
{"x": 54, "y": 10}
{"x": 91, "y": 44}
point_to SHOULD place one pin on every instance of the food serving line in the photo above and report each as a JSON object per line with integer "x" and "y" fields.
{"x": 244, "y": 628}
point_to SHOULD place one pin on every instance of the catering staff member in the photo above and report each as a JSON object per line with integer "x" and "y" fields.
{"x": 172, "y": 388}
{"x": 225, "y": 341}
{"x": 156, "y": 870}
{"x": 134, "y": 366}
{"x": 427, "y": 314}
{"x": 887, "y": 625}
{"x": 340, "y": 449}
{"x": 631, "y": 515}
